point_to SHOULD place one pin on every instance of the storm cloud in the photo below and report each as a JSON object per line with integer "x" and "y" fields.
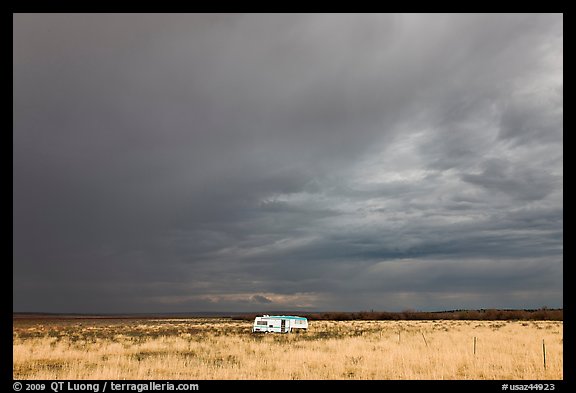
{"x": 171, "y": 163}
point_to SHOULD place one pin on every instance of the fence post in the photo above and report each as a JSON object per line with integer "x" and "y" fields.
{"x": 544, "y": 353}
{"x": 425, "y": 342}
{"x": 474, "y": 345}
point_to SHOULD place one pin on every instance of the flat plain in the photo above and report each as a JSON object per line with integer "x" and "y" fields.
{"x": 219, "y": 348}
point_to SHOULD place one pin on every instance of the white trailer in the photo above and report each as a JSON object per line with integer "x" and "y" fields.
{"x": 279, "y": 324}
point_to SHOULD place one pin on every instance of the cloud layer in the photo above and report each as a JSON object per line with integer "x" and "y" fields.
{"x": 251, "y": 162}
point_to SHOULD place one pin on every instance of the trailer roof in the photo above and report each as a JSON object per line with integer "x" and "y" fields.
{"x": 282, "y": 317}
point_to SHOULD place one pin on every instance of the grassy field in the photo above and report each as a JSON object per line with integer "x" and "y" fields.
{"x": 224, "y": 349}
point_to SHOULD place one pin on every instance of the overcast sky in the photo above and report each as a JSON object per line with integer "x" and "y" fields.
{"x": 171, "y": 163}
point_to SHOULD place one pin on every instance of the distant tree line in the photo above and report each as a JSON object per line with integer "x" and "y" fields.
{"x": 541, "y": 314}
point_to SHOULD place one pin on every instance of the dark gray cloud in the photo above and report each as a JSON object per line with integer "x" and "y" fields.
{"x": 240, "y": 162}
{"x": 260, "y": 299}
{"x": 518, "y": 182}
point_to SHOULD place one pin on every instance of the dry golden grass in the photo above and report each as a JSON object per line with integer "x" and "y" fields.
{"x": 223, "y": 349}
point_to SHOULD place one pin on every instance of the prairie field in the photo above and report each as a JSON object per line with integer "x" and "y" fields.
{"x": 212, "y": 348}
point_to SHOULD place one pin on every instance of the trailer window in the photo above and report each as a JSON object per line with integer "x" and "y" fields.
{"x": 263, "y": 323}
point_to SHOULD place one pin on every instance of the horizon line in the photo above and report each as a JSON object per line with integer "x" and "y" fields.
{"x": 224, "y": 313}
